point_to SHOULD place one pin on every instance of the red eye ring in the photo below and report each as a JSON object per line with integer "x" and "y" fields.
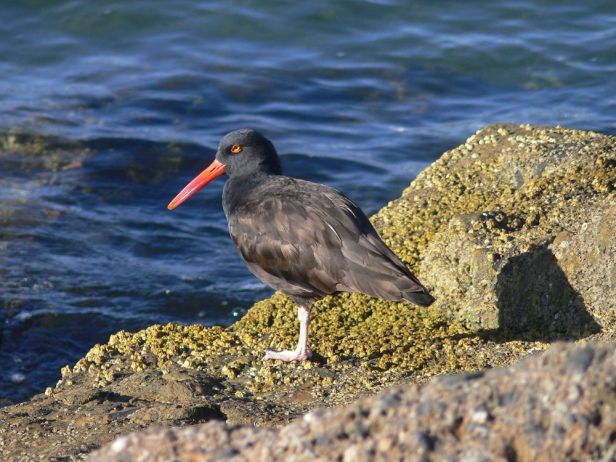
{"x": 236, "y": 148}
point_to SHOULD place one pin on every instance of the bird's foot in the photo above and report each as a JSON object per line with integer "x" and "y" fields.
{"x": 288, "y": 355}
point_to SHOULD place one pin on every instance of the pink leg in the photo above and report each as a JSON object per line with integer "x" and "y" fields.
{"x": 301, "y": 352}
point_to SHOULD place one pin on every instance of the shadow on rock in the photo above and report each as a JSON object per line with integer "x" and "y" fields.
{"x": 536, "y": 301}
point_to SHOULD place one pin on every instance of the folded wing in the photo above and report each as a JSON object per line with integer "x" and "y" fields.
{"x": 316, "y": 242}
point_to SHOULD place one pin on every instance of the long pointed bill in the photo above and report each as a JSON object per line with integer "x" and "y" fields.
{"x": 214, "y": 170}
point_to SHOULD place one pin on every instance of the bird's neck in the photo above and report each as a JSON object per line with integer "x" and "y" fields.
{"x": 252, "y": 178}
{"x": 239, "y": 188}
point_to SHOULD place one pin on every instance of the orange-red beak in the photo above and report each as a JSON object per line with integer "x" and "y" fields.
{"x": 214, "y": 170}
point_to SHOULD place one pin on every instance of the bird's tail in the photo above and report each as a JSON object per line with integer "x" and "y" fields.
{"x": 419, "y": 298}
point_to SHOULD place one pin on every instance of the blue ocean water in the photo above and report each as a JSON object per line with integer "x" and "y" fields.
{"x": 107, "y": 108}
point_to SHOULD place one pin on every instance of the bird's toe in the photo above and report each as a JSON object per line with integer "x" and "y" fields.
{"x": 287, "y": 355}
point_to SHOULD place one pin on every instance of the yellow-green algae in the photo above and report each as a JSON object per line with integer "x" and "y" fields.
{"x": 359, "y": 342}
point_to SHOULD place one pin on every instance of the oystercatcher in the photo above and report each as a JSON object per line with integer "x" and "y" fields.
{"x": 304, "y": 239}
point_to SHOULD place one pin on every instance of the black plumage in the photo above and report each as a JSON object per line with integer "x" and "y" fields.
{"x": 305, "y": 239}
{"x": 308, "y": 240}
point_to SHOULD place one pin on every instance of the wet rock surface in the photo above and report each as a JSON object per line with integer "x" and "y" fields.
{"x": 514, "y": 233}
{"x": 560, "y": 405}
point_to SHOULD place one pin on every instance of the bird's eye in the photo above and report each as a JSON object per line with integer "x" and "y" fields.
{"x": 236, "y": 148}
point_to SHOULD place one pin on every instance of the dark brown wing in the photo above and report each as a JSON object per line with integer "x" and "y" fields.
{"x": 308, "y": 240}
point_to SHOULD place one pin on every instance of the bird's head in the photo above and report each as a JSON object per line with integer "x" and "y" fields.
{"x": 240, "y": 152}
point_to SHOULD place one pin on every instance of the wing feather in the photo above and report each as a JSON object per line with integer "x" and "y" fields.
{"x": 309, "y": 240}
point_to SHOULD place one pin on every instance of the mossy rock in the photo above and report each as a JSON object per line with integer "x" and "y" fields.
{"x": 476, "y": 225}
{"x": 484, "y": 227}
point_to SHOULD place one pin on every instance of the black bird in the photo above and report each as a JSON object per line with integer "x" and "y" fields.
{"x": 304, "y": 239}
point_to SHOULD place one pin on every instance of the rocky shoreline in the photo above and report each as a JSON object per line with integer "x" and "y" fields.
{"x": 555, "y": 406}
{"x": 514, "y": 231}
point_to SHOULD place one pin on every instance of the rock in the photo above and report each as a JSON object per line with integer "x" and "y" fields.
{"x": 557, "y": 406}
{"x": 517, "y": 290}
{"x": 513, "y": 231}
{"x": 495, "y": 268}
{"x": 588, "y": 260}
